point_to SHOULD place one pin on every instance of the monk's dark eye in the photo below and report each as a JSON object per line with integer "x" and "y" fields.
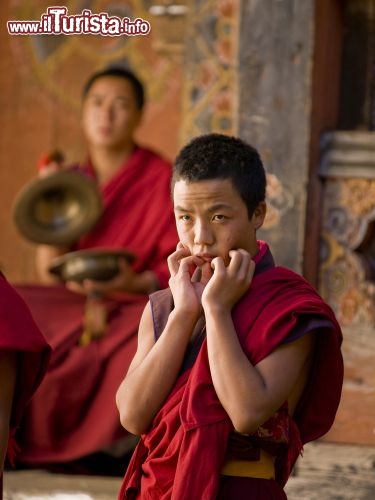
{"x": 96, "y": 101}
{"x": 185, "y": 218}
{"x": 122, "y": 104}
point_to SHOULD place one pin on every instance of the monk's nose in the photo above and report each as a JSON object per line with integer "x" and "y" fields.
{"x": 202, "y": 234}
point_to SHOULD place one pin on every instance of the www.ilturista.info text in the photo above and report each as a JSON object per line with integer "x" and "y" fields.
{"x": 57, "y": 22}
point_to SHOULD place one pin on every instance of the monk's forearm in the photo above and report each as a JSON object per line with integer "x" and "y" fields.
{"x": 147, "y": 384}
{"x": 238, "y": 384}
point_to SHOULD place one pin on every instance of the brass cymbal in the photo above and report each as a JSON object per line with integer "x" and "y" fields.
{"x": 99, "y": 264}
{"x": 57, "y": 209}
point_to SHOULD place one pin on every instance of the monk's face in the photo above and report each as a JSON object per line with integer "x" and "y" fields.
{"x": 212, "y": 218}
{"x": 109, "y": 113}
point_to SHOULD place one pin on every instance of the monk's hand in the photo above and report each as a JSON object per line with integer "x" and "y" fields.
{"x": 228, "y": 283}
{"x": 184, "y": 282}
{"x": 51, "y": 163}
{"x": 201, "y": 277}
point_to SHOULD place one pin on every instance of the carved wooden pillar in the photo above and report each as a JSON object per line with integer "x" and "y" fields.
{"x": 347, "y": 272}
{"x": 274, "y": 68}
{"x": 347, "y": 257}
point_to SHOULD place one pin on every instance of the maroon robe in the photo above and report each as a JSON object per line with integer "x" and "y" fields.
{"x": 18, "y": 332}
{"x": 74, "y": 413}
{"x": 181, "y": 456}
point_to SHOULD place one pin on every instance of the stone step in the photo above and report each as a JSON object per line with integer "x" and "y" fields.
{"x": 326, "y": 472}
{"x": 333, "y": 472}
{"x": 42, "y": 485}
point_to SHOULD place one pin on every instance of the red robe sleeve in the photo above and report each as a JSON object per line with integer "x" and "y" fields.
{"x": 19, "y": 332}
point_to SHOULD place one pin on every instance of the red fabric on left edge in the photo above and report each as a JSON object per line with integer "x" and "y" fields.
{"x": 19, "y": 332}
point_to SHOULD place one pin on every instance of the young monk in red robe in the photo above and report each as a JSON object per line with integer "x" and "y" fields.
{"x": 24, "y": 356}
{"x": 73, "y": 413}
{"x": 238, "y": 362}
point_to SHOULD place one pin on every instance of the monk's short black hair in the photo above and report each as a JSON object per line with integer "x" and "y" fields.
{"x": 217, "y": 156}
{"x": 118, "y": 72}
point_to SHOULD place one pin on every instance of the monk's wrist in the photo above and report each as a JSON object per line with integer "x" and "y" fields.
{"x": 217, "y": 311}
{"x": 184, "y": 317}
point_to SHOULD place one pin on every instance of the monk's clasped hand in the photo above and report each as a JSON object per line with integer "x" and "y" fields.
{"x": 186, "y": 283}
{"x": 228, "y": 283}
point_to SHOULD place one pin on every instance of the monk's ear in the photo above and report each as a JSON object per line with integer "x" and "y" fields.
{"x": 259, "y": 214}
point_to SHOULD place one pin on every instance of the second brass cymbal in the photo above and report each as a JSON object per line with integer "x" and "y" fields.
{"x": 99, "y": 264}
